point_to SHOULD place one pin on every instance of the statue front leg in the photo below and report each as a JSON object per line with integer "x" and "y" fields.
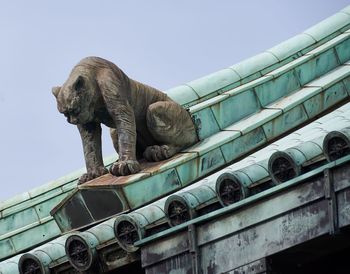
{"x": 91, "y": 137}
{"x": 114, "y": 90}
{"x": 125, "y": 142}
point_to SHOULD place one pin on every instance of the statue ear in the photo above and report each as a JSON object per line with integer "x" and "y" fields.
{"x": 79, "y": 84}
{"x": 56, "y": 91}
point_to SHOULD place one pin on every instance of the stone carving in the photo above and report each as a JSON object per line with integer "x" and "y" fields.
{"x": 143, "y": 120}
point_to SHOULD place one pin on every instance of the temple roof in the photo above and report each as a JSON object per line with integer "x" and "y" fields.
{"x": 241, "y": 113}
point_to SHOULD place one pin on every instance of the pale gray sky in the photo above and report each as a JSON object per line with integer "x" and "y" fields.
{"x": 162, "y": 43}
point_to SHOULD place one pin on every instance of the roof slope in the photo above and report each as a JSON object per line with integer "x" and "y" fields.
{"x": 248, "y": 177}
{"x": 229, "y": 125}
{"x": 280, "y": 89}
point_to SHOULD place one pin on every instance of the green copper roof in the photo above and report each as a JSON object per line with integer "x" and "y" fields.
{"x": 250, "y": 172}
{"x": 235, "y": 122}
{"x": 236, "y": 110}
{"x": 25, "y": 220}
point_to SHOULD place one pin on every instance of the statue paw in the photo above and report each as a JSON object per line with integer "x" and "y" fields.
{"x": 92, "y": 175}
{"x": 123, "y": 168}
{"x": 158, "y": 153}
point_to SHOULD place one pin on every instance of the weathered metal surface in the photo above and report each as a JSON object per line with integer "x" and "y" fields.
{"x": 213, "y": 142}
{"x": 298, "y": 212}
{"x": 63, "y": 267}
{"x": 254, "y": 121}
{"x": 341, "y": 187}
{"x": 344, "y": 208}
{"x": 276, "y": 88}
{"x": 342, "y": 50}
{"x": 254, "y": 172}
{"x": 251, "y": 67}
{"x": 39, "y": 259}
{"x": 231, "y": 188}
{"x": 337, "y": 144}
{"x": 318, "y": 66}
{"x": 183, "y": 205}
{"x": 129, "y": 228}
{"x": 288, "y": 164}
{"x": 186, "y": 205}
{"x": 80, "y": 248}
{"x": 238, "y": 147}
{"x": 142, "y": 192}
{"x": 181, "y": 264}
{"x": 231, "y": 145}
{"x": 256, "y": 267}
{"x": 291, "y": 46}
{"x": 255, "y": 177}
{"x": 329, "y": 41}
{"x": 205, "y": 122}
{"x": 331, "y": 78}
{"x": 24, "y": 221}
{"x": 295, "y": 99}
{"x": 288, "y": 120}
{"x": 10, "y": 266}
{"x": 214, "y": 82}
{"x": 259, "y": 212}
{"x": 37, "y": 204}
{"x": 283, "y": 167}
{"x": 86, "y": 206}
{"x": 324, "y": 100}
{"x": 200, "y": 166}
{"x": 291, "y": 229}
{"x": 112, "y": 257}
{"x": 183, "y": 94}
{"x": 101, "y": 258}
{"x": 169, "y": 247}
{"x": 328, "y": 26}
{"x": 231, "y": 109}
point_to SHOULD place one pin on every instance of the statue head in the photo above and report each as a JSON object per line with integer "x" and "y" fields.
{"x": 75, "y": 99}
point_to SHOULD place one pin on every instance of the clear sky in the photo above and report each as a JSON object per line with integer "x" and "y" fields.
{"x": 161, "y": 43}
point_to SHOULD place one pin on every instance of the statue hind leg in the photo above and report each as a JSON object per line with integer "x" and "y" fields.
{"x": 172, "y": 127}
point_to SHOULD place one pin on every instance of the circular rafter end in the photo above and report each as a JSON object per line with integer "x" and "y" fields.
{"x": 178, "y": 211}
{"x": 127, "y": 231}
{"x": 30, "y": 264}
{"x": 79, "y": 254}
{"x": 336, "y": 145}
{"x": 229, "y": 189}
{"x": 282, "y": 167}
